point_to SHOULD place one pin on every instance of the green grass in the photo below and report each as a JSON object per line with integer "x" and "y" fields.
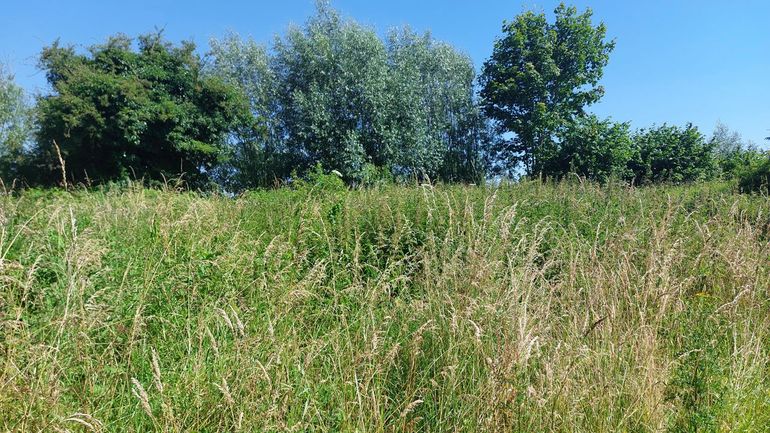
{"x": 526, "y": 308}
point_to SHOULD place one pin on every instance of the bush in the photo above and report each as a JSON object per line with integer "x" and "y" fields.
{"x": 319, "y": 180}
{"x": 732, "y": 154}
{"x": 756, "y": 177}
{"x": 671, "y": 154}
{"x": 121, "y": 112}
{"x": 592, "y": 148}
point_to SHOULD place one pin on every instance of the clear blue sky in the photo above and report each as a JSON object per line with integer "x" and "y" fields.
{"x": 676, "y": 61}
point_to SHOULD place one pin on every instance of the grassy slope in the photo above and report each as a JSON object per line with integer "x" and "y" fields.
{"x": 528, "y": 308}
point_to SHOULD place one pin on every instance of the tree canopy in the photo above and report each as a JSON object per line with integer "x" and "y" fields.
{"x": 672, "y": 154}
{"x": 335, "y": 93}
{"x": 15, "y": 125}
{"x": 147, "y": 112}
{"x": 540, "y": 77}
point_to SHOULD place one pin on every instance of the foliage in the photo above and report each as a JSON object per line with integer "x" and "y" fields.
{"x": 755, "y": 177}
{"x": 335, "y": 93}
{"x": 258, "y": 156}
{"x": 595, "y": 149}
{"x": 318, "y": 180}
{"x": 15, "y": 126}
{"x": 672, "y": 154}
{"x": 536, "y": 307}
{"x": 437, "y": 127}
{"x": 539, "y": 78}
{"x": 697, "y": 384}
{"x": 600, "y": 150}
{"x": 331, "y": 78}
{"x": 117, "y": 112}
{"x": 733, "y": 155}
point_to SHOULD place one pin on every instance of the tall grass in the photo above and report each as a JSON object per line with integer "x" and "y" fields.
{"x": 525, "y": 308}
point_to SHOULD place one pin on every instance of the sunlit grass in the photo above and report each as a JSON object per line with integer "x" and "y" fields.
{"x": 525, "y": 308}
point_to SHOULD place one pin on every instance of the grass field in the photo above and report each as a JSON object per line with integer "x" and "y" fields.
{"x": 525, "y": 308}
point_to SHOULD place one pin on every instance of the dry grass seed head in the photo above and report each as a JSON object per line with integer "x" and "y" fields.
{"x": 86, "y": 420}
{"x": 156, "y": 371}
{"x": 224, "y": 388}
{"x": 141, "y": 395}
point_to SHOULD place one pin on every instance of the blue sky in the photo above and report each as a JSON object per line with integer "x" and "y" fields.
{"x": 698, "y": 61}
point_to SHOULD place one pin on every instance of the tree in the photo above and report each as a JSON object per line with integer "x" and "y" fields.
{"x": 149, "y": 113}
{"x": 731, "y": 152}
{"x": 755, "y": 177}
{"x": 595, "y": 149}
{"x": 333, "y": 92}
{"x": 258, "y": 155}
{"x": 435, "y": 123}
{"x": 672, "y": 154}
{"x": 539, "y": 78}
{"x": 15, "y": 126}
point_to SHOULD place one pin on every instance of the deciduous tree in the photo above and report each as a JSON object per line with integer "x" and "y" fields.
{"x": 147, "y": 112}
{"x": 334, "y": 92}
{"x": 540, "y": 77}
{"x": 15, "y": 126}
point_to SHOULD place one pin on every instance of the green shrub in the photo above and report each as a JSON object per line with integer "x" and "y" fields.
{"x": 756, "y": 177}
{"x": 671, "y": 154}
{"x": 594, "y": 149}
{"x": 319, "y": 180}
{"x": 732, "y": 154}
{"x": 147, "y": 113}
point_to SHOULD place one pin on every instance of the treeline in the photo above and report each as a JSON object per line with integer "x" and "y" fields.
{"x": 333, "y": 93}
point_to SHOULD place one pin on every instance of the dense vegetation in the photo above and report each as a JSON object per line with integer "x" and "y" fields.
{"x": 149, "y": 113}
{"x": 540, "y": 78}
{"x": 333, "y": 92}
{"x": 532, "y": 308}
{"x": 15, "y": 125}
{"x": 348, "y": 232}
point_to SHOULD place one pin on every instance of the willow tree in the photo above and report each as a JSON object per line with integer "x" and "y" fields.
{"x": 257, "y": 155}
{"x": 331, "y": 89}
{"x": 15, "y": 127}
{"x": 435, "y": 118}
{"x": 333, "y": 92}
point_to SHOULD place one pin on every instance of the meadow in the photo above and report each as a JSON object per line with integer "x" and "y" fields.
{"x": 531, "y": 307}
